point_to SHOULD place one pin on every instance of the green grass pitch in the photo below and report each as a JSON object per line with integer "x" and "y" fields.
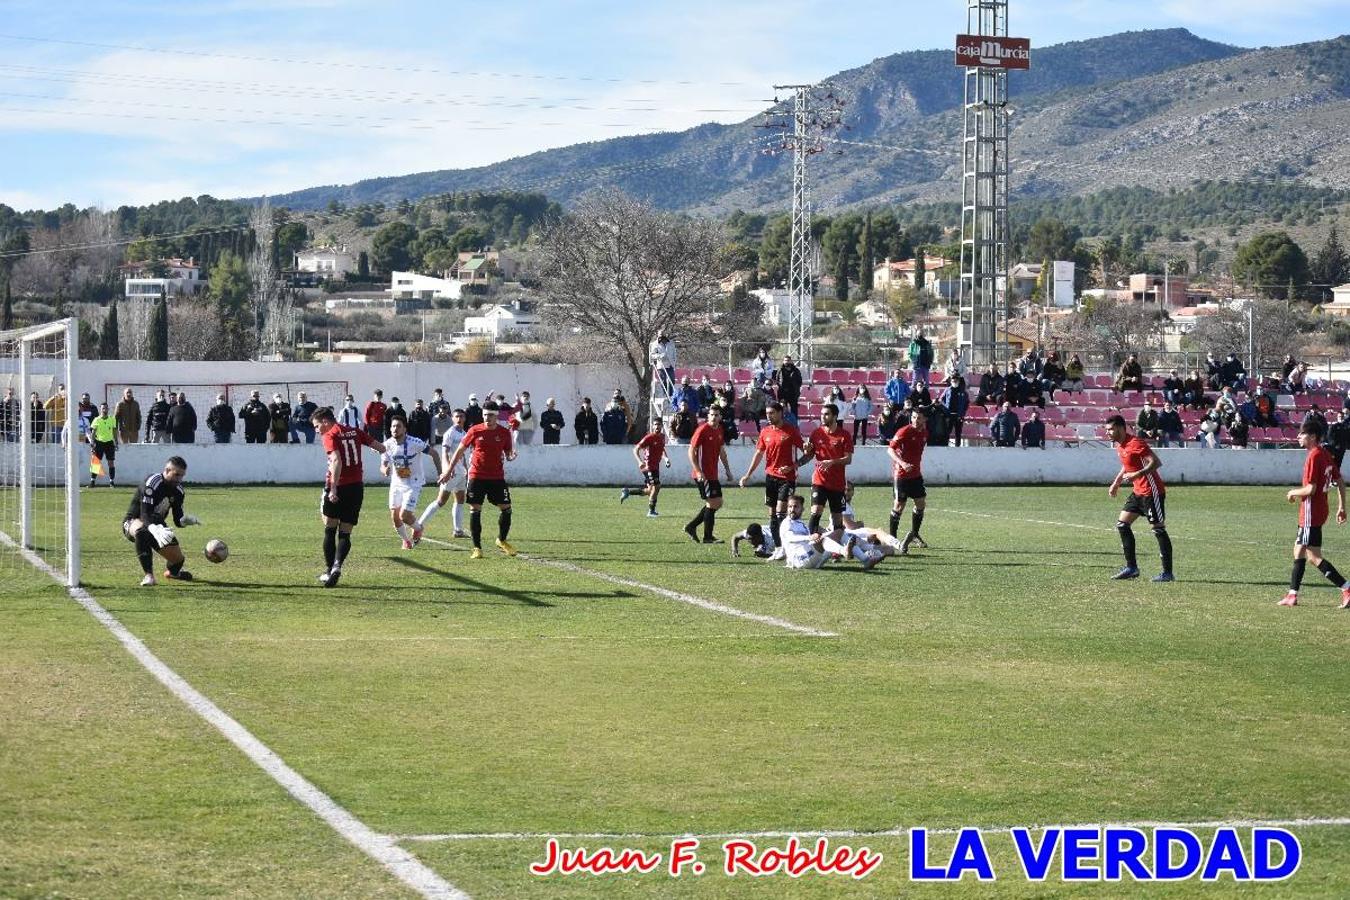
{"x": 999, "y": 678}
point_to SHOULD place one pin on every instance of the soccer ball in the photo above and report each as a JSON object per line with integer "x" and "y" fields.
{"x": 216, "y": 551}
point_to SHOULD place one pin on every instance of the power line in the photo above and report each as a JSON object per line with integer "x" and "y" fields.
{"x": 328, "y": 93}
{"x": 195, "y": 54}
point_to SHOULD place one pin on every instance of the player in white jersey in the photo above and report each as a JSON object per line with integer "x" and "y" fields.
{"x": 458, "y": 483}
{"x": 806, "y": 550}
{"x": 402, "y": 462}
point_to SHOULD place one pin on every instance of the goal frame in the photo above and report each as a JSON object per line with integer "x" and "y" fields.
{"x": 25, "y": 337}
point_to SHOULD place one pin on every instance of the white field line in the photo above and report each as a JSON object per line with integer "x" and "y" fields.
{"x": 848, "y": 833}
{"x": 436, "y": 639}
{"x": 690, "y": 599}
{"x": 380, "y": 847}
{"x": 1184, "y": 537}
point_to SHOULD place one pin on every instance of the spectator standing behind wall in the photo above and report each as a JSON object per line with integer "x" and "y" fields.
{"x": 56, "y": 413}
{"x": 280, "y": 426}
{"x": 37, "y": 413}
{"x": 956, "y": 401}
{"x": 157, "y": 420}
{"x": 524, "y": 412}
{"x": 301, "y": 426}
{"x": 350, "y": 416}
{"x": 473, "y": 412}
{"x": 394, "y": 411}
{"x": 220, "y": 420}
{"x": 128, "y": 416}
{"x": 683, "y": 424}
{"x": 11, "y": 416}
{"x": 1006, "y": 427}
{"x": 256, "y": 418}
{"x": 920, "y": 356}
{"x": 586, "y": 425}
{"x": 789, "y": 388}
{"x": 84, "y": 415}
{"x": 183, "y": 421}
{"x": 1033, "y": 433}
{"x": 552, "y": 421}
{"x": 375, "y": 416}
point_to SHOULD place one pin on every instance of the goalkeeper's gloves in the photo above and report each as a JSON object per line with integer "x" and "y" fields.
{"x": 190, "y": 520}
{"x": 162, "y": 534}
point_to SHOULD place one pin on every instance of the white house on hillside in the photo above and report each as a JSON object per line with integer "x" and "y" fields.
{"x": 411, "y": 286}
{"x": 183, "y": 276}
{"x": 1340, "y": 302}
{"x": 500, "y": 321}
{"x": 774, "y": 306}
{"x": 331, "y": 262}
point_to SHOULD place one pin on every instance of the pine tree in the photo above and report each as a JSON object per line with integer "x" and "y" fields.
{"x": 1331, "y": 265}
{"x": 157, "y": 347}
{"x": 108, "y": 347}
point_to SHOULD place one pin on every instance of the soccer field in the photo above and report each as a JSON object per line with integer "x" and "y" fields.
{"x": 619, "y": 683}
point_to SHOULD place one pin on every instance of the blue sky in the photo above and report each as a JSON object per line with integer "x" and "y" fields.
{"x": 132, "y": 102}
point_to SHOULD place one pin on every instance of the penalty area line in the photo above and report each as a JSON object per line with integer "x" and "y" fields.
{"x": 382, "y": 848}
{"x": 690, "y": 599}
{"x": 853, "y": 834}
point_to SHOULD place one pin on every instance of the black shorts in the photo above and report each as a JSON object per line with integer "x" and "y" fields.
{"x": 1152, "y": 507}
{"x": 651, "y": 478}
{"x": 1309, "y": 536}
{"x": 494, "y": 490}
{"x": 710, "y": 489}
{"x": 105, "y": 450}
{"x": 777, "y": 490}
{"x": 910, "y": 489}
{"x": 823, "y": 496}
{"x": 347, "y": 508}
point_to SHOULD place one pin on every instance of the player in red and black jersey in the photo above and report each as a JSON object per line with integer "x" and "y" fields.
{"x": 1139, "y": 467}
{"x": 832, "y": 449}
{"x": 1319, "y": 474}
{"x": 490, "y": 443}
{"x": 778, "y": 445}
{"x": 343, "y": 488}
{"x": 705, "y": 450}
{"x": 906, "y": 453}
{"x": 648, "y": 452}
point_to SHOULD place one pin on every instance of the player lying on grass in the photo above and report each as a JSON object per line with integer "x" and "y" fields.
{"x": 1319, "y": 474}
{"x": 161, "y": 495}
{"x": 402, "y": 464}
{"x": 456, "y": 485}
{"x": 805, "y": 549}
{"x": 648, "y": 452}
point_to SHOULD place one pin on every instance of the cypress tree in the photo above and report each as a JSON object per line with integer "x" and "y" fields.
{"x": 108, "y": 345}
{"x": 7, "y": 318}
{"x": 158, "y": 343}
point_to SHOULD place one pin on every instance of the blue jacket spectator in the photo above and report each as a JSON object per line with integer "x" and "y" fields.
{"x": 956, "y": 401}
{"x": 897, "y": 389}
{"x": 687, "y": 393}
{"x": 1006, "y": 427}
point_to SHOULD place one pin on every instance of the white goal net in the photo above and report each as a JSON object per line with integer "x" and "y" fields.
{"x": 39, "y": 446}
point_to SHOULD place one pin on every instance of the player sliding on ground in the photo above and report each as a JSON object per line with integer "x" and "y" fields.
{"x": 778, "y": 444}
{"x": 491, "y": 444}
{"x": 159, "y": 496}
{"x": 343, "y": 489}
{"x": 705, "y": 450}
{"x": 906, "y": 453}
{"x": 648, "y": 452}
{"x": 805, "y": 548}
{"x": 456, "y": 486}
{"x": 402, "y": 463}
{"x": 1319, "y": 474}
{"x": 1139, "y": 467}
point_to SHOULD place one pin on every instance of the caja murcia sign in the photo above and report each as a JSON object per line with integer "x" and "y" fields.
{"x": 993, "y": 52}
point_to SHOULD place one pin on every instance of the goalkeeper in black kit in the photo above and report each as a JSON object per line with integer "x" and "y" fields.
{"x": 158, "y": 499}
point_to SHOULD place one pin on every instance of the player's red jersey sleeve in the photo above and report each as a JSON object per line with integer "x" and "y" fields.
{"x": 1319, "y": 470}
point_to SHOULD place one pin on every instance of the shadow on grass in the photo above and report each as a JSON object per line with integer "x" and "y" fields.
{"x": 518, "y": 596}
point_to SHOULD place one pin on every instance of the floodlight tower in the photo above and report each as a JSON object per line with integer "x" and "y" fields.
{"x": 816, "y": 111}
{"x": 986, "y": 53}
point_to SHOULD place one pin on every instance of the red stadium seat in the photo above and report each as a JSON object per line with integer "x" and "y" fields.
{"x": 877, "y": 376}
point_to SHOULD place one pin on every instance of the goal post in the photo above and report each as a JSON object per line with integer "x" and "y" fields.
{"x": 40, "y": 450}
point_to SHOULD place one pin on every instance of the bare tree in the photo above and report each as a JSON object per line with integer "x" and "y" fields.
{"x": 1116, "y": 329}
{"x": 272, "y": 301}
{"x": 622, "y": 272}
{"x": 1275, "y": 331}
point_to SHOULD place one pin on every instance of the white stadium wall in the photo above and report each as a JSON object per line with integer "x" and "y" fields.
{"x": 605, "y": 465}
